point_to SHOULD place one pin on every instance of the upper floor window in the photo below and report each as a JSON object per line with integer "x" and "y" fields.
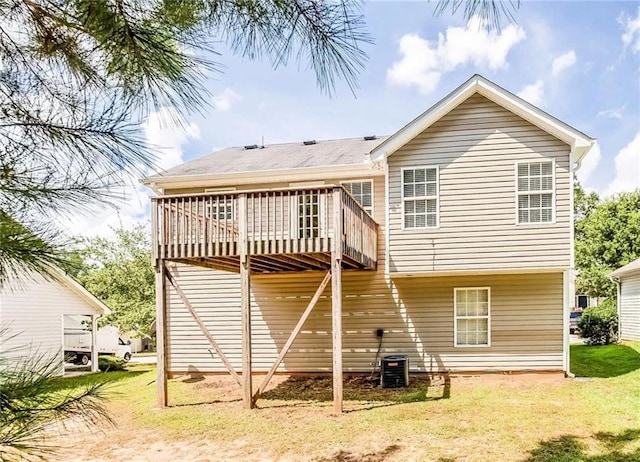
{"x": 535, "y": 192}
{"x": 362, "y": 191}
{"x": 420, "y": 197}
{"x": 472, "y": 316}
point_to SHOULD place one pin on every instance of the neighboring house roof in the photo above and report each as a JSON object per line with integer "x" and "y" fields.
{"x": 278, "y": 157}
{"x": 579, "y": 142}
{"x": 626, "y": 269}
{"x": 79, "y": 290}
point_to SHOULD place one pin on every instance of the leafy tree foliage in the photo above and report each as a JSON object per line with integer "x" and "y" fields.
{"x": 598, "y": 325}
{"x": 607, "y": 236}
{"x": 491, "y": 12}
{"x": 119, "y": 272}
{"x": 77, "y": 78}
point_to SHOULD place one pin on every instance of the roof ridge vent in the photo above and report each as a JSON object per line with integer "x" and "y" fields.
{"x": 309, "y": 143}
{"x": 370, "y": 137}
{"x": 251, "y": 146}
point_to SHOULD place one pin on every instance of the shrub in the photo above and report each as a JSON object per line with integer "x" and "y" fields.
{"x": 599, "y": 325}
{"x": 111, "y": 364}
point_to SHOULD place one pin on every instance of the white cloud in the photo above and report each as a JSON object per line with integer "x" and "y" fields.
{"x": 631, "y": 33}
{"x": 627, "y": 168}
{"x": 614, "y": 113}
{"x": 588, "y": 166}
{"x": 533, "y": 93}
{"x": 224, "y": 100}
{"x": 424, "y": 62}
{"x": 166, "y": 133}
{"x": 563, "y": 62}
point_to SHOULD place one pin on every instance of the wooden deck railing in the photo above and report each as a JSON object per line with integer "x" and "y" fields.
{"x": 278, "y": 222}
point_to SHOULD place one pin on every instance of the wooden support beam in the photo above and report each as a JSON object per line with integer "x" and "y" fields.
{"x": 311, "y": 261}
{"x": 245, "y": 301}
{"x": 294, "y": 334}
{"x": 161, "y": 334}
{"x": 336, "y": 299}
{"x": 280, "y": 262}
{"x": 203, "y": 328}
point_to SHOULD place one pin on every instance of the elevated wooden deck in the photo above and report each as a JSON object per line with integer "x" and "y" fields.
{"x": 282, "y": 229}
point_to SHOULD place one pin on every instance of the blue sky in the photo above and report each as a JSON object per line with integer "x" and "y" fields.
{"x": 579, "y": 61}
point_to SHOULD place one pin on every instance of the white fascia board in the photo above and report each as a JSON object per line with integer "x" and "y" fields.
{"x": 337, "y": 172}
{"x": 423, "y": 121}
{"x": 579, "y": 142}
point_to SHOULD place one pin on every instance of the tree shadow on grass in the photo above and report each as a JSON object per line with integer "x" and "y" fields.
{"x": 70, "y": 383}
{"x": 347, "y": 456}
{"x": 363, "y": 389}
{"x": 571, "y": 448}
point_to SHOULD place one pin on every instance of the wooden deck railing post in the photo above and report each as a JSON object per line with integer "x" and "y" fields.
{"x": 336, "y": 299}
{"x": 245, "y": 300}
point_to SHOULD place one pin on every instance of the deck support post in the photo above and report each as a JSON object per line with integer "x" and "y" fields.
{"x": 245, "y": 302}
{"x": 161, "y": 334}
{"x": 336, "y": 299}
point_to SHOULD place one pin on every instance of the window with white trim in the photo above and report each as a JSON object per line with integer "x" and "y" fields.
{"x": 420, "y": 197}
{"x": 535, "y": 192}
{"x": 362, "y": 191}
{"x": 472, "y": 316}
{"x": 222, "y": 208}
{"x": 308, "y": 215}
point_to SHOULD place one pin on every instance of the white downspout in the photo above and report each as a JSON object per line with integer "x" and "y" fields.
{"x": 566, "y": 284}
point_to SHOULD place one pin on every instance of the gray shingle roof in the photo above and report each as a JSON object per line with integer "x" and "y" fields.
{"x": 351, "y": 151}
{"x": 633, "y": 266}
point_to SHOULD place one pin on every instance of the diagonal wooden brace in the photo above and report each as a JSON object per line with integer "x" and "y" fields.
{"x": 203, "y": 328}
{"x": 294, "y": 334}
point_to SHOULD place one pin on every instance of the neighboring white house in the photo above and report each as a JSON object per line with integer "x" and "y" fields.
{"x": 628, "y": 280}
{"x": 33, "y": 313}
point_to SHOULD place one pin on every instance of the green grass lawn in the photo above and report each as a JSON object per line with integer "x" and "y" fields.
{"x": 530, "y": 418}
{"x": 604, "y": 361}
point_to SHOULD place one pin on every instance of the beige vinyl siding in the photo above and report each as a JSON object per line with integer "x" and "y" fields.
{"x": 476, "y": 147}
{"x": 630, "y": 307}
{"x": 415, "y": 313}
{"x": 33, "y": 313}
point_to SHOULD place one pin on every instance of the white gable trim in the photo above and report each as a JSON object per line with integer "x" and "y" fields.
{"x": 79, "y": 290}
{"x": 579, "y": 142}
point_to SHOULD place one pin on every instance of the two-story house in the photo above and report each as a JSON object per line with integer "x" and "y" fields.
{"x": 450, "y": 241}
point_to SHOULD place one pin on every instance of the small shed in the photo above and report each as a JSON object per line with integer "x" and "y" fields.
{"x": 628, "y": 280}
{"x": 33, "y": 313}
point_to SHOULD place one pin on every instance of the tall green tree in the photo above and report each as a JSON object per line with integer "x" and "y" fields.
{"x": 607, "y": 236}
{"x": 119, "y": 272}
{"x": 77, "y": 78}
